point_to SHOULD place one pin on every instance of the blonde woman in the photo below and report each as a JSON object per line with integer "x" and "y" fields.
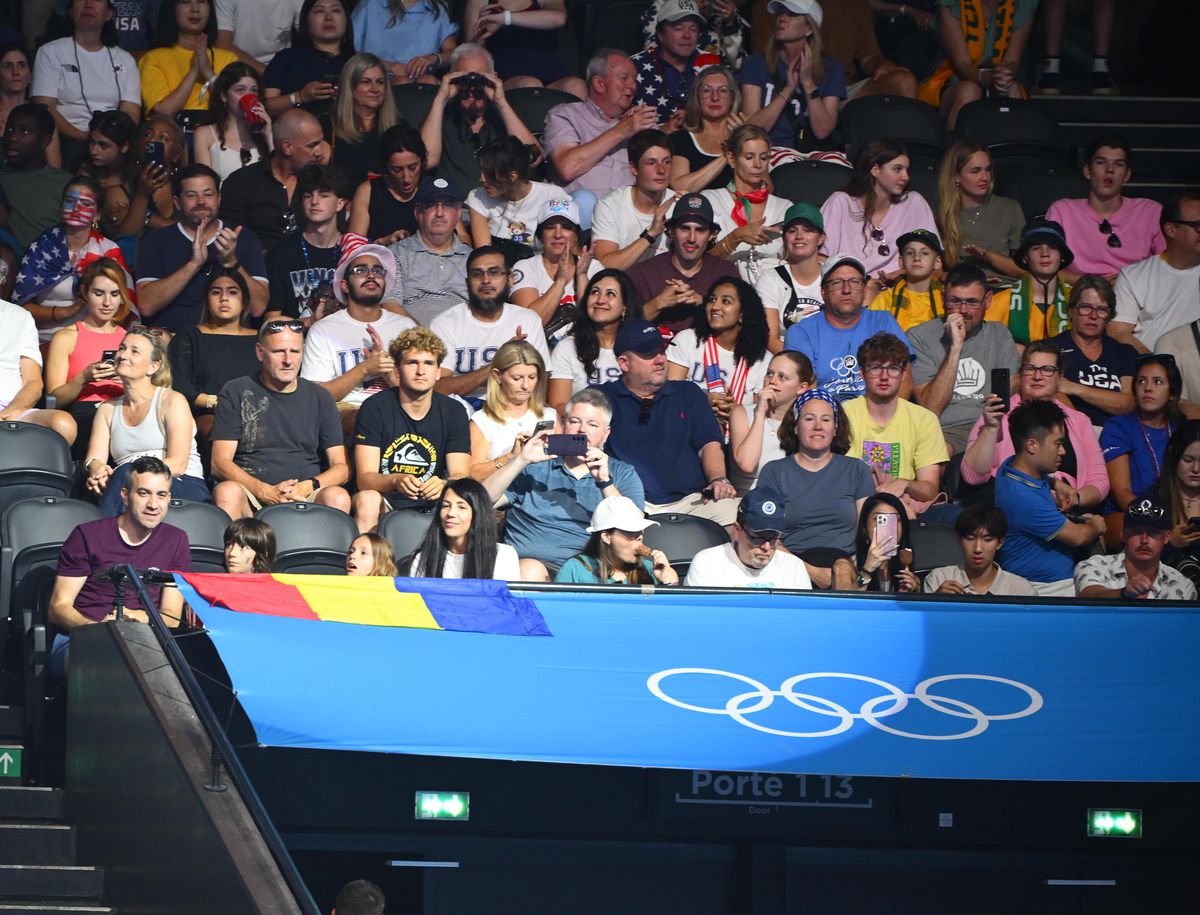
{"x": 973, "y": 221}
{"x": 363, "y": 111}
{"x": 147, "y": 419}
{"x": 712, "y": 113}
{"x": 515, "y": 406}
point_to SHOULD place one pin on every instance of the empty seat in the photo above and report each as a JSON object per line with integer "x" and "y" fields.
{"x": 413, "y": 101}
{"x": 933, "y": 545}
{"x": 1015, "y": 130}
{"x": 914, "y": 124}
{"x": 923, "y": 178}
{"x": 608, "y": 24}
{"x": 34, "y": 461}
{"x": 683, "y": 536}
{"x": 1037, "y": 187}
{"x": 811, "y": 181}
{"x": 309, "y": 538}
{"x": 405, "y": 530}
{"x": 533, "y": 103}
{"x": 205, "y": 526}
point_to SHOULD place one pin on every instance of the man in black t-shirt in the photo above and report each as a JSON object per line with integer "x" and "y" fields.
{"x": 408, "y": 440}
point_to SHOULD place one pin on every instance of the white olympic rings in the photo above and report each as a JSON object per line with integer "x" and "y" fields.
{"x": 760, "y": 697}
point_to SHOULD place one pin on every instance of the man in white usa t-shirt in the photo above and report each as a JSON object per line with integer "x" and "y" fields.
{"x": 475, "y": 329}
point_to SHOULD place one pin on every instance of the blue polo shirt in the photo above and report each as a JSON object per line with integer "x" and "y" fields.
{"x": 663, "y": 444}
{"x": 833, "y": 351}
{"x": 549, "y": 509}
{"x": 1033, "y": 520}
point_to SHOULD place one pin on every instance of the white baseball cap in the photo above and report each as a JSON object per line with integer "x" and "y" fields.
{"x": 619, "y": 513}
{"x": 810, "y": 8}
{"x": 674, "y": 10}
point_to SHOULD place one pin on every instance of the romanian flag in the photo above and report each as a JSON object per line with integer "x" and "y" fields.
{"x": 466, "y": 605}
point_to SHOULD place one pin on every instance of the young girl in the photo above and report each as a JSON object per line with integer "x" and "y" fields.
{"x": 585, "y": 356}
{"x": 791, "y": 291}
{"x": 754, "y": 431}
{"x": 371, "y": 554}
{"x": 249, "y": 546}
{"x": 109, "y": 160}
{"x": 515, "y": 405}
{"x": 461, "y": 541}
{"x": 616, "y": 554}
{"x": 866, "y": 218}
{"x": 413, "y": 37}
{"x": 509, "y": 202}
{"x": 747, "y": 213}
{"x": 229, "y": 141}
{"x": 972, "y": 220}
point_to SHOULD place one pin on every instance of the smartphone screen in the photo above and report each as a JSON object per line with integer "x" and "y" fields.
{"x": 109, "y": 355}
{"x": 573, "y": 445}
{"x": 887, "y": 526}
{"x": 1002, "y": 385}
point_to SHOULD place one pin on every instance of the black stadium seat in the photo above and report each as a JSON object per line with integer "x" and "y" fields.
{"x": 1036, "y": 188}
{"x": 914, "y": 124}
{"x": 413, "y": 101}
{"x": 309, "y": 538}
{"x": 532, "y": 104}
{"x": 405, "y": 530}
{"x": 34, "y": 461}
{"x": 811, "y": 181}
{"x": 205, "y": 525}
{"x": 607, "y": 24}
{"x": 1015, "y": 132}
{"x": 683, "y": 536}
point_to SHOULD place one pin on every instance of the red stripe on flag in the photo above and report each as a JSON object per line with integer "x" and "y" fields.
{"x": 252, "y": 593}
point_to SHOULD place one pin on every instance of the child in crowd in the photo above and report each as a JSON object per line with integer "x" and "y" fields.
{"x": 371, "y": 554}
{"x": 1037, "y": 305}
{"x": 917, "y": 296}
{"x": 249, "y": 546}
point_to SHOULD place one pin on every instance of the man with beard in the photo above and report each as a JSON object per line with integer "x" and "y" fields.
{"x": 475, "y": 329}
{"x": 430, "y": 265}
{"x": 173, "y": 261}
{"x": 346, "y": 352}
{"x": 673, "y": 285}
{"x": 1136, "y": 572}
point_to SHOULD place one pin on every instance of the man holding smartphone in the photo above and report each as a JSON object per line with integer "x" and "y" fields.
{"x": 958, "y": 353}
{"x": 551, "y": 495}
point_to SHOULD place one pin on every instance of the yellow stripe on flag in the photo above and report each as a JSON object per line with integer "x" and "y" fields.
{"x": 367, "y": 600}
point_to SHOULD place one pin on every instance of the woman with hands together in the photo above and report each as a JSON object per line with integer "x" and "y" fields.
{"x": 711, "y": 114}
{"x": 414, "y": 37}
{"x": 521, "y": 36}
{"x": 179, "y": 72}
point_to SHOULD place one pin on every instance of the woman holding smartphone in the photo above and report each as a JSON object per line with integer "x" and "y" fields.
{"x": 307, "y": 72}
{"x": 882, "y": 549}
{"x": 513, "y": 410}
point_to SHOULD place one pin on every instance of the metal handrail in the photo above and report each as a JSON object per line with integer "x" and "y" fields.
{"x": 222, "y": 750}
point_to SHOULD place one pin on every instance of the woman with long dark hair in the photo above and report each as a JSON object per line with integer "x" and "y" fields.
{"x": 585, "y": 356}
{"x": 461, "y": 540}
{"x": 108, "y": 158}
{"x": 868, "y": 216}
{"x": 179, "y": 71}
{"x": 1135, "y": 444}
{"x": 229, "y": 141}
{"x": 882, "y": 548}
{"x": 616, "y": 553}
{"x": 382, "y": 209}
{"x": 724, "y": 352}
{"x": 508, "y": 201}
{"x": 307, "y": 72}
{"x": 1179, "y": 491}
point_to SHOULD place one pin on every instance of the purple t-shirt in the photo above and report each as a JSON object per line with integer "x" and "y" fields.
{"x": 96, "y": 545}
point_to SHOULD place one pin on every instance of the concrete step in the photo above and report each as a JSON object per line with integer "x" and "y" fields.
{"x": 1079, "y": 133}
{"x": 1121, "y": 109}
{"x": 37, "y": 843}
{"x": 38, "y": 907}
{"x": 21, "y": 803}
{"x": 58, "y": 882}
{"x": 1151, "y": 163}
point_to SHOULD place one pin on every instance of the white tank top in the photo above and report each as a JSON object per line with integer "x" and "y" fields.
{"x": 127, "y": 443}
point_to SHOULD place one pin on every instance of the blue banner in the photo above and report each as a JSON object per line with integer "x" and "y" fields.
{"x": 803, "y": 683}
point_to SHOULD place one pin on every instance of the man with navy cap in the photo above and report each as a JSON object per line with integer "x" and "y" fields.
{"x": 673, "y": 284}
{"x": 753, "y": 559}
{"x": 831, "y": 338}
{"x": 1136, "y": 573}
{"x": 666, "y": 430}
{"x": 431, "y": 266}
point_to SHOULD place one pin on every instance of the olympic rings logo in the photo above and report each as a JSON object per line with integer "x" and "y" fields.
{"x": 893, "y": 701}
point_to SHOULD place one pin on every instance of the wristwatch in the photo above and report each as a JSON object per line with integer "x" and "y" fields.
{"x": 816, "y": 93}
{"x": 645, "y": 234}
{"x": 316, "y": 484}
{"x": 862, "y": 580}
{"x": 603, "y": 484}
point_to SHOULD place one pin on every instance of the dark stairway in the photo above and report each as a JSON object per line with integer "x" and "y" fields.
{"x": 38, "y": 870}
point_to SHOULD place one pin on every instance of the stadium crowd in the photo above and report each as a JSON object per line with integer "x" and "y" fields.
{"x": 240, "y": 273}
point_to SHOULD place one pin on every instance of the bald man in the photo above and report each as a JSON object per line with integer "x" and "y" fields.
{"x": 259, "y": 195}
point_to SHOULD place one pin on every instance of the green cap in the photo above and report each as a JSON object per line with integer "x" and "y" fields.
{"x": 803, "y": 212}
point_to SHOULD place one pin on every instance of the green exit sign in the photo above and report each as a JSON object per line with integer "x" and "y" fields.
{"x": 10, "y": 762}
{"x": 443, "y": 805}
{"x": 1114, "y": 824}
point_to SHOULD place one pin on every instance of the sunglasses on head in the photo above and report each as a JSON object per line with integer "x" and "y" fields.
{"x": 279, "y": 326}
{"x": 1157, "y": 357}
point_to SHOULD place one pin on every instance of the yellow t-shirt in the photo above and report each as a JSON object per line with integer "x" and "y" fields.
{"x": 918, "y": 307}
{"x": 163, "y": 69}
{"x": 912, "y": 440}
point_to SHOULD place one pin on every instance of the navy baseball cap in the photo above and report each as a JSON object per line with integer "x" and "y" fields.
{"x": 761, "y": 510}
{"x": 693, "y": 208}
{"x": 640, "y": 337}
{"x": 1146, "y": 515}
{"x": 431, "y": 190}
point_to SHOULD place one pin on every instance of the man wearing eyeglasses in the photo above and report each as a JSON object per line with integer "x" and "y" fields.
{"x": 1162, "y": 292}
{"x": 1136, "y": 572}
{"x": 831, "y": 339}
{"x": 900, "y": 441}
{"x": 475, "y": 329}
{"x": 346, "y": 352}
{"x": 956, "y": 354}
{"x": 1082, "y": 480}
{"x": 752, "y": 559}
{"x": 431, "y": 265}
{"x": 1107, "y": 230}
{"x": 274, "y": 431}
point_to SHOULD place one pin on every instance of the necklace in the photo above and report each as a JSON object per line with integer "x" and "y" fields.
{"x": 978, "y": 212}
{"x": 1150, "y": 446}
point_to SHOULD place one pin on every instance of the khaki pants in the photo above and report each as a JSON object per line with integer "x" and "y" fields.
{"x": 723, "y": 512}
